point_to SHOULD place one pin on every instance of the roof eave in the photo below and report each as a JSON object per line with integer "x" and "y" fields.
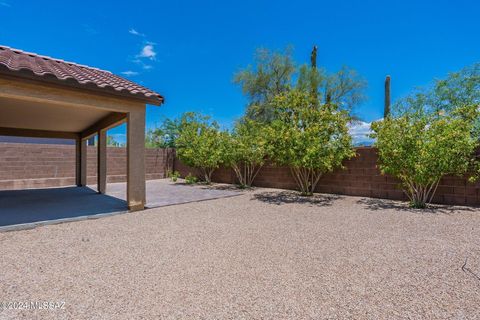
{"x": 29, "y": 75}
{"x": 155, "y": 102}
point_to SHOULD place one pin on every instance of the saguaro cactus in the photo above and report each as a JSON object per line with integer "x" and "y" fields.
{"x": 313, "y": 58}
{"x": 314, "y": 76}
{"x": 386, "y": 110}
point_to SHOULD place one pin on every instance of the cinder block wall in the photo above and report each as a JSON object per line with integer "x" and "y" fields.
{"x": 42, "y": 165}
{"x": 360, "y": 177}
{"x": 38, "y": 166}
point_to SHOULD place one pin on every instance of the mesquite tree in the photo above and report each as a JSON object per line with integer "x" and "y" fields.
{"x": 271, "y": 75}
{"x": 419, "y": 148}
{"x": 165, "y": 135}
{"x": 275, "y": 73}
{"x": 310, "y": 140}
{"x": 458, "y": 89}
{"x": 247, "y": 150}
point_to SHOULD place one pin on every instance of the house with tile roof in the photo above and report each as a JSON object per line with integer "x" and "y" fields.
{"x": 45, "y": 97}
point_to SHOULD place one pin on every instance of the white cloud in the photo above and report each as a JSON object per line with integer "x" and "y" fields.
{"x": 148, "y": 51}
{"x": 142, "y": 64}
{"x": 359, "y": 131}
{"x": 130, "y": 73}
{"x": 136, "y": 33}
{"x": 145, "y": 57}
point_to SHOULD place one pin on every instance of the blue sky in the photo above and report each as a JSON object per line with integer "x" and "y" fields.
{"x": 189, "y": 50}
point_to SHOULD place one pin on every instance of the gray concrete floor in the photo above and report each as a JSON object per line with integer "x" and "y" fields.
{"x": 163, "y": 192}
{"x": 28, "y": 208}
{"x": 37, "y": 205}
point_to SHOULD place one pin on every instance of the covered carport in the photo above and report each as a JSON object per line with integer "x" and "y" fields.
{"x": 45, "y": 97}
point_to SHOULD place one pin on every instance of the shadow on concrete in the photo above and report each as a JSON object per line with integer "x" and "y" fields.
{"x": 38, "y": 205}
{"x": 383, "y": 204}
{"x": 212, "y": 186}
{"x": 286, "y": 197}
{"x": 227, "y": 187}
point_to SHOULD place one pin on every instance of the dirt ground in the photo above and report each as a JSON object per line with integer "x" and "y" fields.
{"x": 265, "y": 254}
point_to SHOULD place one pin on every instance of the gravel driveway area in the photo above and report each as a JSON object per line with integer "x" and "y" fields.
{"x": 266, "y": 254}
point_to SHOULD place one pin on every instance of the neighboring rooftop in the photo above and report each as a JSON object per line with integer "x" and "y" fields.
{"x": 31, "y": 65}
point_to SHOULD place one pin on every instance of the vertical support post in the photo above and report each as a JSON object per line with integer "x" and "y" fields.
{"x": 78, "y": 162}
{"x": 102, "y": 161}
{"x": 136, "y": 160}
{"x": 81, "y": 162}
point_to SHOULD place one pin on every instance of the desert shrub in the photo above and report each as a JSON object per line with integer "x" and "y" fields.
{"x": 191, "y": 179}
{"x": 246, "y": 150}
{"x": 419, "y": 148}
{"x": 310, "y": 140}
{"x": 200, "y": 144}
{"x": 173, "y": 175}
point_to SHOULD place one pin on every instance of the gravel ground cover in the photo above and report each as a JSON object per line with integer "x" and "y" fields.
{"x": 266, "y": 254}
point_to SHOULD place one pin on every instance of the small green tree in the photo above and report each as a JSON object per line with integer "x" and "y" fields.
{"x": 457, "y": 90}
{"x": 246, "y": 150}
{"x": 200, "y": 144}
{"x": 461, "y": 88}
{"x": 111, "y": 142}
{"x": 311, "y": 141}
{"x": 165, "y": 135}
{"x": 419, "y": 148}
{"x": 344, "y": 88}
{"x": 274, "y": 72}
{"x": 271, "y": 75}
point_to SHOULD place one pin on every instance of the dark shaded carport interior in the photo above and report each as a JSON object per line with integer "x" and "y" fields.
{"x": 37, "y": 205}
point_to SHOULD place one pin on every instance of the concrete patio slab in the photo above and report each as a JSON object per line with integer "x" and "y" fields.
{"x": 24, "y": 209}
{"x": 33, "y": 207}
{"x": 163, "y": 192}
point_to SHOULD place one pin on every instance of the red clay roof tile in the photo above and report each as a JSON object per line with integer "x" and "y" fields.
{"x": 16, "y": 62}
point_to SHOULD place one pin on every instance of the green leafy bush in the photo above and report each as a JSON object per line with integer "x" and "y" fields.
{"x": 419, "y": 148}
{"x": 246, "y": 150}
{"x": 191, "y": 179}
{"x": 201, "y": 144}
{"x": 173, "y": 175}
{"x": 310, "y": 140}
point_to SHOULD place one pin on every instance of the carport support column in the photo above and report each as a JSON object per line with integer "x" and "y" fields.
{"x": 81, "y": 162}
{"x": 136, "y": 160}
{"x": 102, "y": 161}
